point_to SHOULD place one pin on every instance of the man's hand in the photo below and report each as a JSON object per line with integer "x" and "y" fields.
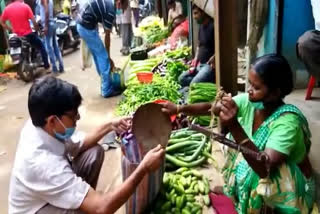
{"x": 121, "y": 125}
{"x": 212, "y": 62}
{"x": 194, "y": 63}
{"x": 169, "y": 108}
{"x": 153, "y": 159}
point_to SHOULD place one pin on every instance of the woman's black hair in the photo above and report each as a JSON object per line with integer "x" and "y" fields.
{"x": 275, "y": 72}
{"x": 51, "y": 96}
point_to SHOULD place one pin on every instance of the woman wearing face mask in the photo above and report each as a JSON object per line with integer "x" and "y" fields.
{"x": 261, "y": 121}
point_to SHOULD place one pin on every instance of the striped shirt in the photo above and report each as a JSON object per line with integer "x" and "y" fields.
{"x": 95, "y": 11}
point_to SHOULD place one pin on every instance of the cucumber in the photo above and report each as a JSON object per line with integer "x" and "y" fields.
{"x": 182, "y": 134}
{"x": 197, "y": 153}
{"x": 184, "y": 164}
{"x": 180, "y": 145}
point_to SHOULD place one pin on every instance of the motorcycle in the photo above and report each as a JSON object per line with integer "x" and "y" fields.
{"x": 66, "y": 29}
{"x": 25, "y": 57}
{"x": 145, "y": 9}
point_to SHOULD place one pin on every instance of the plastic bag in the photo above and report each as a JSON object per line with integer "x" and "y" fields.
{"x": 1, "y": 63}
{"x": 7, "y": 63}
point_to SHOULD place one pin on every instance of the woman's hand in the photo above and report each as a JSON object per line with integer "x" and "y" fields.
{"x": 228, "y": 111}
{"x": 169, "y": 108}
{"x": 121, "y": 125}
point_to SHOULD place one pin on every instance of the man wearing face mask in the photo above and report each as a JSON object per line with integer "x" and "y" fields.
{"x": 203, "y": 63}
{"x": 47, "y": 176}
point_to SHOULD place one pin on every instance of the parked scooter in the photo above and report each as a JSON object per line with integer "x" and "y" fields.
{"x": 25, "y": 57}
{"x": 66, "y": 30}
{"x": 145, "y": 9}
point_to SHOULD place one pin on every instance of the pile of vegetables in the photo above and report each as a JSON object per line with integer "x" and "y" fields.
{"x": 139, "y": 94}
{"x": 179, "y": 53}
{"x": 184, "y": 191}
{"x": 140, "y": 66}
{"x": 156, "y": 34}
{"x": 202, "y": 92}
{"x": 187, "y": 148}
{"x": 150, "y": 21}
{"x": 153, "y": 30}
{"x": 175, "y": 68}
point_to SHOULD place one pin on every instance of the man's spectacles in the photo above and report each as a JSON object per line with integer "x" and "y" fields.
{"x": 72, "y": 116}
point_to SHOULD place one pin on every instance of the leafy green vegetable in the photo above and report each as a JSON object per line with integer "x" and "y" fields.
{"x": 139, "y": 94}
{"x": 156, "y": 34}
{"x": 180, "y": 53}
{"x": 175, "y": 68}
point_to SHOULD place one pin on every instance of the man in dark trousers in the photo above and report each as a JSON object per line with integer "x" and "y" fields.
{"x": 19, "y": 14}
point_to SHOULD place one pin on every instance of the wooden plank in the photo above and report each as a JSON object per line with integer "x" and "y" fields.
{"x": 226, "y": 54}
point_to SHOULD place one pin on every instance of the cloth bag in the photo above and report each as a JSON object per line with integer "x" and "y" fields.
{"x": 149, "y": 187}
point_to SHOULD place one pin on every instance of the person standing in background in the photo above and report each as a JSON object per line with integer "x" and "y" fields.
{"x": 85, "y": 54}
{"x": 87, "y": 26}
{"x": 175, "y": 10}
{"x": 134, "y": 4}
{"x": 126, "y": 27}
{"x": 47, "y": 20}
{"x": 118, "y": 17}
{"x": 19, "y": 14}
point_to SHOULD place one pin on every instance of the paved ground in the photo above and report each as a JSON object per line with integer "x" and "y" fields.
{"x": 94, "y": 111}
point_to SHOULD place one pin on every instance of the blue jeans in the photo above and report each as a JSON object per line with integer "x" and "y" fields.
{"x": 100, "y": 57}
{"x": 36, "y": 42}
{"x": 53, "y": 47}
{"x": 203, "y": 73}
